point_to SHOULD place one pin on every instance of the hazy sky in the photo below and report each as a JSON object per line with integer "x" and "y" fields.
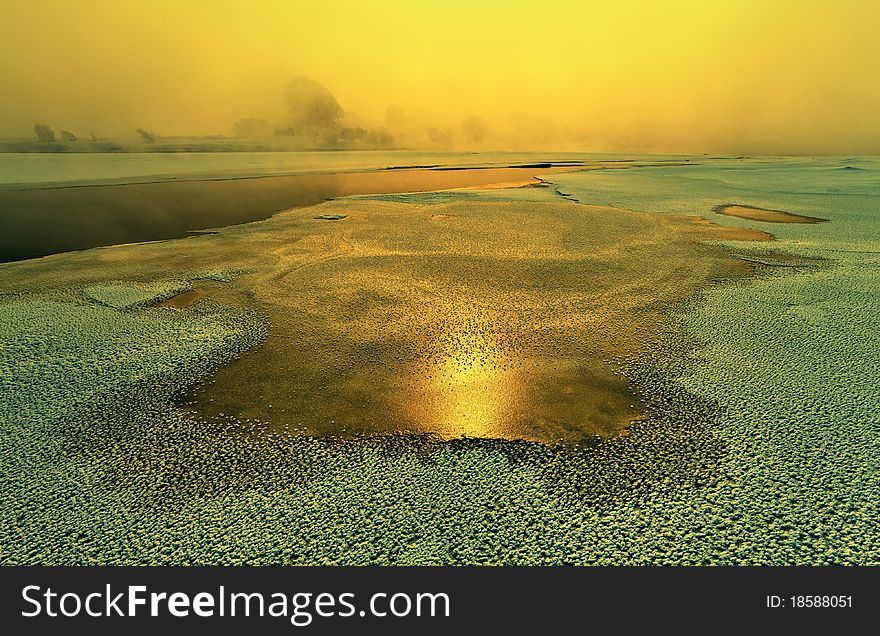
{"x": 699, "y": 76}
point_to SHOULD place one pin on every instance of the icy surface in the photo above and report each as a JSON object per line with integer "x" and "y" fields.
{"x": 763, "y": 448}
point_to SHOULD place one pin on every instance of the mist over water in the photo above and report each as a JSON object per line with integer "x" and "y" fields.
{"x": 745, "y": 78}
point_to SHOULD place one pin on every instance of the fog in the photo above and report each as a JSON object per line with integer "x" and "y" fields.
{"x": 750, "y": 77}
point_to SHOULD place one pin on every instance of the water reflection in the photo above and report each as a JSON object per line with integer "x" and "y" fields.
{"x": 471, "y": 387}
{"x": 50, "y": 220}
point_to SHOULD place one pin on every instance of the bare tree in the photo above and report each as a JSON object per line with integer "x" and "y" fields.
{"x": 311, "y": 106}
{"x": 379, "y": 138}
{"x": 66, "y": 135}
{"x": 439, "y": 137}
{"x": 44, "y": 133}
{"x": 475, "y": 129}
{"x": 146, "y": 135}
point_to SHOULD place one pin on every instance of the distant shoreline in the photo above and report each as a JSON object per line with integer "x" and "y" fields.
{"x": 149, "y": 180}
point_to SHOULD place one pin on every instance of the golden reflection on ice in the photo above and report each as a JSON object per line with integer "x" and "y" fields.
{"x": 471, "y": 387}
{"x": 504, "y": 320}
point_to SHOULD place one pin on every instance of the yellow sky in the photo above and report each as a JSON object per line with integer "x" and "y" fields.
{"x": 740, "y": 76}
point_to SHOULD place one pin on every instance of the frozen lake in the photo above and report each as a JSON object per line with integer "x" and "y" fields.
{"x": 503, "y": 315}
